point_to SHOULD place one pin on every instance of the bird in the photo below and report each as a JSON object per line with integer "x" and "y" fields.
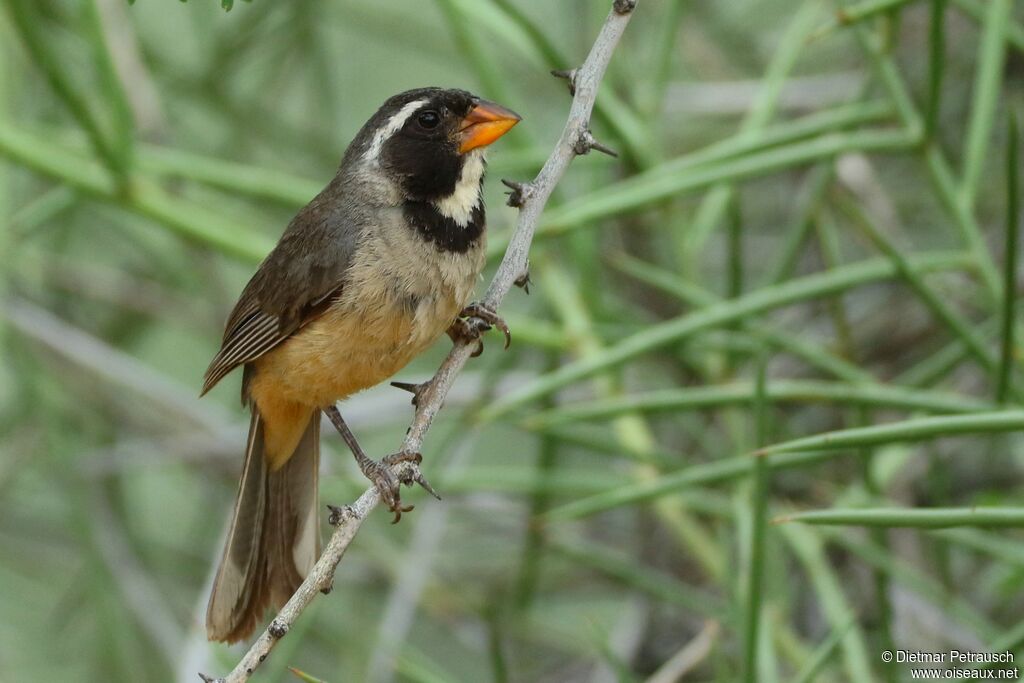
{"x": 373, "y": 270}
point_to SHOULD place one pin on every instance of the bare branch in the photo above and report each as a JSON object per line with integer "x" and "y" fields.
{"x": 531, "y": 198}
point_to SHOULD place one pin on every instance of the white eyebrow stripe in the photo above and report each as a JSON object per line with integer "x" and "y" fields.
{"x": 393, "y": 125}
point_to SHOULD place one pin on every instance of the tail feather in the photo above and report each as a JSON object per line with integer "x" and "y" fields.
{"x": 274, "y": 538}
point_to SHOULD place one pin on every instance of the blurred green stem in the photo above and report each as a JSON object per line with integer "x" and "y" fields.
{"x": 28, "y": 23}
{"x": 938, "y": 168}
{"x": 663, "y": 50}
{"x": 808, "y": 549}
{"x": 123, "y": 122}
{"x": 755, "y": 302}
{"x": 976, "y": 10}
{"x": 854, "y": 13}
{"x": 632, "y": 431}
{"x": 912, "y": 518}
{"x": 945, "y": 313}
{"x": 880, "y": 579}
{"x": 529, "y": 566}
{"x": 695, "y": 295}
{"x": 914, "y": 429}
{"x": 146, "y": 198}
{"x": 759, "y": 523}
{"x": 1004, "y": 387}
{"x": 876, "y": 395}
{"x": 819, "y": 178}
{"x": 987, "y": 81}
{"x": 646, "y": 188}
{"x": 936, "y": 68}
{"x": 712, "y": 207}
{"x": 908, "y": 576}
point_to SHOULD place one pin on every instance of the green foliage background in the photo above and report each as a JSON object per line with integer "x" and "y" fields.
{"x": 806, "y": 245}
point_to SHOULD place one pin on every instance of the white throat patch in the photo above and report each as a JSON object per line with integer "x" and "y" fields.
{"x": 459, "y": 204}
{"x": 393, "y": 125}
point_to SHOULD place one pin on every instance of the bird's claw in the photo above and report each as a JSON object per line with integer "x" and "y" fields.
{"x": 463, "y": 331}
{"x": 389, "y": 485}
{"x": 489, "y": 317}
{"x": 473, "y": 321}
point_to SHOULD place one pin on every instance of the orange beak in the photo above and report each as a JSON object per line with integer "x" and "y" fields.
{"x": 484, "y": 124}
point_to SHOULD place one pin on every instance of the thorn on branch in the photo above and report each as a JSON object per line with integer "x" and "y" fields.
{"x": 624, "y": 6}
{"x": 411, "y": 387}
{"x": 569, "y": 75}
{"x": 339, "y": 513}
{"x": 519, "y": 194}
{"x": 523, "y": 281}
{"x": 416, "y": 389}
{"x": 418, "y": 478}
{"x": 586, "y": 142}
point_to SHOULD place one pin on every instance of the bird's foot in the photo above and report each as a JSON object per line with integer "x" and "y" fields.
{"x": 473, "y": 321}
{"x": 389, "y": 485}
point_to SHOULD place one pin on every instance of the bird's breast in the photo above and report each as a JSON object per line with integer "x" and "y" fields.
{"x": 400, "y": 295}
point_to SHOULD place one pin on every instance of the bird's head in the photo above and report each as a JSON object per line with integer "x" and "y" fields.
{"x": 428, "y": 142}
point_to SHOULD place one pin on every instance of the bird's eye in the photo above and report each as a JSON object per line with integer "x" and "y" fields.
{"x": 429, "y": 119}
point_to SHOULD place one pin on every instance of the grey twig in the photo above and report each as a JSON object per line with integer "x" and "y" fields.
{"x": 531, "y": 197}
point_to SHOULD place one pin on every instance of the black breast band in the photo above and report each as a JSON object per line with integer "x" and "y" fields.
{"x": 444, "y": 232}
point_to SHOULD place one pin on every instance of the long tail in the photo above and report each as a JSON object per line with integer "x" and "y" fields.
{"x": 274, "y": 538}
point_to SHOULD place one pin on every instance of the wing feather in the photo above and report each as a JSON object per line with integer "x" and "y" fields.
{"x": 295, "y": 284}
{"x": 255, "y": 336}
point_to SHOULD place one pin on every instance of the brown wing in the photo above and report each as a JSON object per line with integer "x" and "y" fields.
{"x": 293, "y": 286}
{"x": 256, "y": 332}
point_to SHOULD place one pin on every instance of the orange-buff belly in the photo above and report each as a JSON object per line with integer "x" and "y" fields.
{"x": 344, "y": 351}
